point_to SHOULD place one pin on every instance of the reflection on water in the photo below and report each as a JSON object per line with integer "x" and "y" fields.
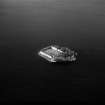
{"x": 73, "y": 22}
{"x": 28, "y": 25}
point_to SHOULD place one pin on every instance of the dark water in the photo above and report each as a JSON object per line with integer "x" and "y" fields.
{"x": 26, "y": 26}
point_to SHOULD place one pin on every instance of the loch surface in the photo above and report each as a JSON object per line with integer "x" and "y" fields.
{"x": 26, "y": 26}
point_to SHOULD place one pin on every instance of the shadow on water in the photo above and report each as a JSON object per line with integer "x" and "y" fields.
{"x": 65, "y": 63}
